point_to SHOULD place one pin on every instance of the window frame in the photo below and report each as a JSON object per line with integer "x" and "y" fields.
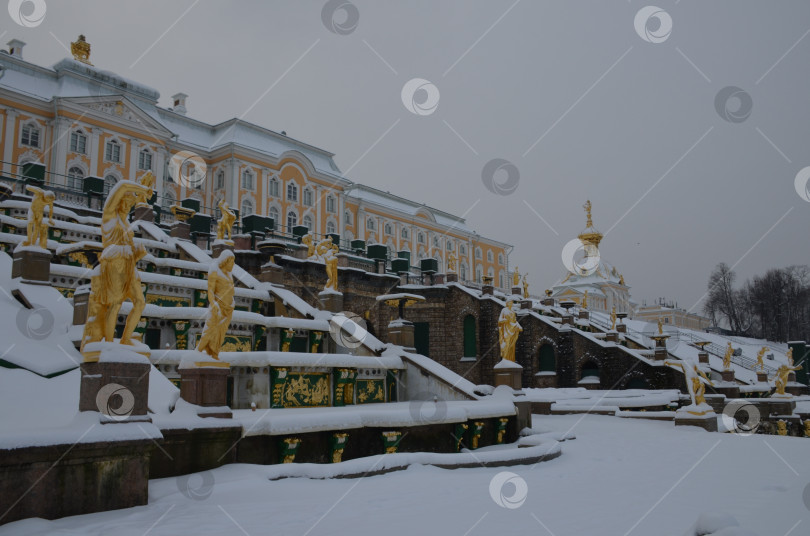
{"x": 108, "y": 153}
{"x": 77, "y": 136}
{"x": 34, "y": 131}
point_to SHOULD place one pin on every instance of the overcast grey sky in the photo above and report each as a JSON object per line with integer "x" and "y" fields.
{"x": 629, "y": 123}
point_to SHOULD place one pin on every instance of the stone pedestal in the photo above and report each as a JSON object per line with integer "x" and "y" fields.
{"x": 584, "y": 315}
{"x": 32, "y": 265}
{"x": 331, "y": 301}
{"x": 762, "y": 377}
{"x": 727, "y": 375}
{"x": 400, "y": 332}
{"x": 272, "y": 273}
{"x": 206, "y": 387}
{"x": 526, "y": 304}
{"x": 524, "y": 414}
{"x": 487, "y": 290}
{"x": 517, "y": 291}
{"x": 781, "y": 405}
{"x": 508, "y": 373}
{"x": 612, "y": 336}
{"x": 621, "y": 328}
{"x": 120, "y": 391}
{"x": 568, "y": 320}
{"x": 660, "y": 348}
{"x": 180, "y": 229}
{"x": 452, "y": 277}
{"x": 729, "y": 390}
{"x": 548, "y": 302}
{"x": 437, "y": 279}
{"x": 221, "y": 245}
{"x": 80, "y": 304}
{"x": 703, "y": 357}
{"x": 143, "y": 213}
{"x": 242, "y": 242}
{"x": 791, "y": 377}
{"x": 708, "y": 421}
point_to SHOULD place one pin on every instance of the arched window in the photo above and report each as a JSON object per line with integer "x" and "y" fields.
{"x": 308, "y": 222}
{"x": 220, "y": 179}
{"x": 370, "y": 224}
{"x": 112, "y": 151}
{"x": 274, "y": 214}
{"x": 547, "y": 362}
{"x": 449, "y": 245}
{"x": 247, "y": 208}
{"x": 491, "y": 272}
{"x": 462, "y": 272}
{"x": 109, "y": 182}
{"x": 470, "y": 345}
{"x": 435, "y": 241}
{"x": 388, "y": 229}
{"x": 404, "y": 233}
{"x": 30, "y": 135}
{"x": 420, "y": 238}
{"x": 75, "y": 178}
{"x": 478, "y": 253}
{"x": 145, "y": 160}
{"x": 479, "y": 273}
{"x": 292, "y": 192}
{"x": 292, "y": 220}
{"x": 500, "y": 258}
{"x": 330, "y": 204}
{"x": 168, "y": 200}
{"x": 247, "y": 180}
{"x": 347, "y": 218}
{"x": 78, "y": 142}
{"x": 307, "y": 197}
{"x": 274, "y": 187}
{"x": 330, "y": 227}
{"x": 500, "y": 278}
{"x": 490, "y": 257}
{"x": 462, "y": 249}
{"x": 590, "y": 370}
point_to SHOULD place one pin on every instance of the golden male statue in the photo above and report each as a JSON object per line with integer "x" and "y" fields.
{"x": 727, "y": 357}
{"x": 760, "y": 356}
{"x": 694, "y": 382}
{"x": 508, "y": 331}
{"x": 310, "y": 244}
{"x": 37, "y": 228}
{"x": 516, "y": 277}
{"x": 116, "y": 278}
{"x": 781, "y": 381}
{"x": 525, "y": 287}
{"x": 328, "y": 251}
{"x": 220, "y": 304}
{"x": 225, "y": 223}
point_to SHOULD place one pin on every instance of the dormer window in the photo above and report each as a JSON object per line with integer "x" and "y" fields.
{"x": 78, "y": 142}
{"x": 30, "y": 135}
{"x": 112, "y": 152}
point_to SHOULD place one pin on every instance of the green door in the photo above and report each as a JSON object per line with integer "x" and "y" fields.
{"x": 470, "y": 347}
{"x": 421, "y": 338}
{"x": 547, "y": 361}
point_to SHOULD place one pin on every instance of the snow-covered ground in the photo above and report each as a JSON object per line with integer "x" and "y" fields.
{"x": 623, "y": 477}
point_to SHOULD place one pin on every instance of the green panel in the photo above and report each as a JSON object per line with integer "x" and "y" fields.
{"x": 200, "y": 298}
{"x": 370, "y": 391}
{"x": 421, "y": 338}
{"x": 167, "y": 301}
{"x": 548, "y": 363}
{"x": 233, "y": 343}
{"x": 470, "y": 347}
{"x": 303, "y": 389}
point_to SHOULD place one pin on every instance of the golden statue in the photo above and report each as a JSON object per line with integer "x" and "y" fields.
{"x": 781, "y": 380}
{"x": 116, "y": 278}
{"x": 80, "y": 49}
{"x": 328, "y": 251}
{"x": 789, "y": 356}
{"x": 613, "y": 319}
{"x": 781, "y": 427}
{"x": 760, "y": 356}
{"x": 727, "y": 357}
{"x": 508, "y": 331}
{"x": 660, "y": 326}
{"x": 585, "y": 300}
{"x": 451, "y": 263}
{"x": 310, "y": 244}
{"x": 516, "y": 277}
{"x": 37, "y": 228}
{"x": 525, "y": 287}
{"x": 807, "y": 428}
{"x": 587, "y": 207}
{"x": 621, "y": 280}
{"x": 694, "y": 383}
{"x": 220, "y": 304}
{"x": 226, "y": 221}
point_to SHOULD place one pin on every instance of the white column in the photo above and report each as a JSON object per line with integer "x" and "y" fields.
{"x": 341, "y": 208}
{"x": 59, "y": 149}
{"x": 232, "y": 185}
{"x": 159, "y": 167}
{"x": 9, "y": 139}
{"x": 94, "y": 141}
{"x": 133, "y": 158}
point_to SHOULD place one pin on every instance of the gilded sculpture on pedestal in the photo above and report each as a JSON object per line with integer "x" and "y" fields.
{"x": 310, "y": 244}
{"x": 80, "y": 49}
{"x": 525, "y": 287}
{"x": 328, "y": 251}
{"x": 508, "y": 331}
{"x": 225, "y": 223}
{"x": 727, "y": 357}
{"x": 585, "y": 300}
{"x": 695, "y": 379}
{"x": 781, "y": 380}
{"x": 789, "y": 356}
{"x": 37, "y": 231}
{"x": 116, "y": 279}
{"x": 516, "y": 277}
{"x": 660, "y": 326}
{"x": 613, "y": 319}
{"x": 220, "y": 304}
{"x": 760, "y": 356}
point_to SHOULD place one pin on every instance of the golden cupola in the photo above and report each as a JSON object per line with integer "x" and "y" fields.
{"x": 590, "y": 236}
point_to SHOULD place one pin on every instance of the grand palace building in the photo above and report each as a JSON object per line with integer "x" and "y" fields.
{"x": 84, "y": 123}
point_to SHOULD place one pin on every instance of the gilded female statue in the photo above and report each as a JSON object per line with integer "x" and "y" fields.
{"x": 220, "y": 304}
{"x": 508, "y": 331}
{"x": 37, "y": 229}
{"x": 727, "y": 357}
{"x": 328, "y": 251}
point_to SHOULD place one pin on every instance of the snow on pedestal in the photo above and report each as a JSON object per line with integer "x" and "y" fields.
{"x": 204, "y": 382}
{"x": 701, "y": 415}
{"x": 508, "y": 373}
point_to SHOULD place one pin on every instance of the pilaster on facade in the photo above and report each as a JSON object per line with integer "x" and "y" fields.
{"x": 10, "y": 139}
{"x": 94, "y": 151}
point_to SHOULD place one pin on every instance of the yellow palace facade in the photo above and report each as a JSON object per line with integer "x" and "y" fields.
{"x": 81, "y": 121}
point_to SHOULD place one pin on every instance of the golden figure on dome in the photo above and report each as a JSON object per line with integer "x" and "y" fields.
{"x": 220, "y": 304}
{"x": 80, "y": 49}
{"x": 226, "y": 221}
{"x": 508, "y": 331}
{"x": 37, "y": 230}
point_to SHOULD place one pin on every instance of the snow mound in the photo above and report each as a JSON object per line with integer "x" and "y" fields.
{"x": 717, "y": 524}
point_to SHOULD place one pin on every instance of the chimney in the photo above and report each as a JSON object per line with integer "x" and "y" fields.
{"x": 15, "y": 48}
{"x": 179, "y": 101}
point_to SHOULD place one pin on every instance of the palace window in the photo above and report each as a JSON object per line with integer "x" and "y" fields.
{"x": 308, "y": 222}
{"x": 112, "y": 151}
{"x": 220, "y": 179}
{"x": 388, "y": 229}
{"x": 330, "y": 204}
{"x": 109, "y": 182}
{"x": 274, "y": 187}
{"x": 75, "y": 178}
{"x": 292, "y": 221}
{"x": 307, "y": 197}
{"x": 274, "y": 215}
{"x": 435, "y": 241}
{"x": 30, "y": 135}
{"x": 370, "y": 224}
{"x": 420, "y": 238}
{"x": 500, "y": 258}
{"x": 247, "y": 208}
{"x": 78, "y": 142}
{"x": 145, "y": 160}
{"x": 462, "y": 249}
{"x": 330, "y": 227}
{"x": 247, "y": 180}
{"x": 347, "y": 218}
{"x": 168, "y": 200}
{"x": 292, "y": 192}
{"x": 500, "y": 279}
{"x": 490, "y": 256}
{"x": 404, "y": 233}
{"x": 462, "y": 272}
{"x": 479, "y": 274}
{"x": 449, "y": 245}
